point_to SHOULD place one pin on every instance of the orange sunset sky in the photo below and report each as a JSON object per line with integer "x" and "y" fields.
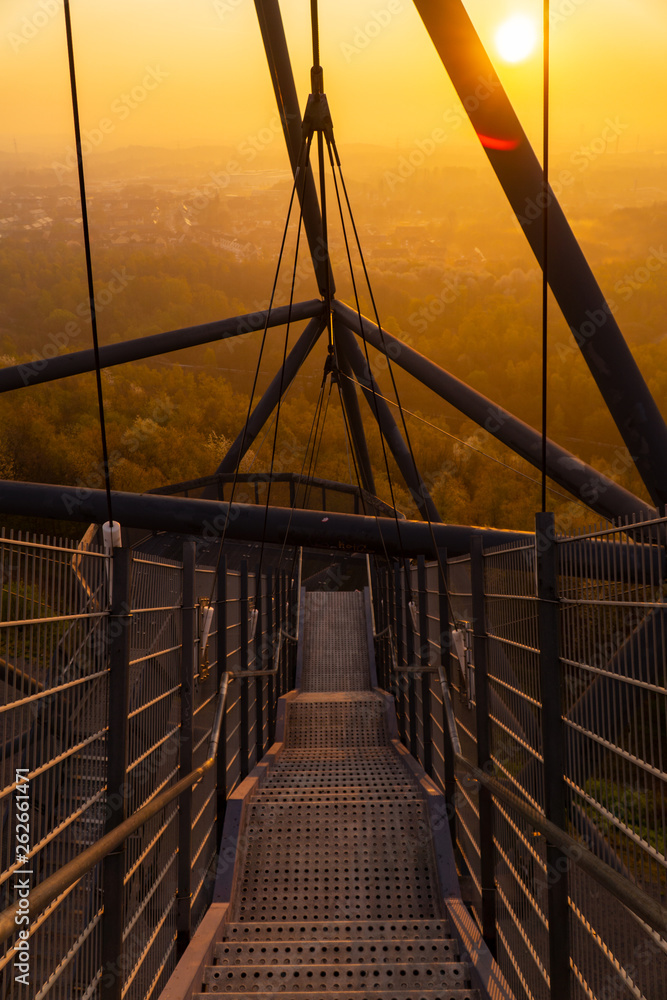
{"x": 384, "y": 82}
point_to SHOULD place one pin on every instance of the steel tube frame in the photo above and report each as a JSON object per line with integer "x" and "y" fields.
{"x": 578, "y": 294}
{"x": 388, "y": 427}
{"x": 186, "y": 515}
{"x": 282, "y": 78}
{"x": 276, "y": 390}
{"x": 597, "y": 491}
{"x": 66, "y": 365}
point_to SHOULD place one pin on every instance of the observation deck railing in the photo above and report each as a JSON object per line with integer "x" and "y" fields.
{"x": 554, "y": 655}
{"x": 99, "y": 715}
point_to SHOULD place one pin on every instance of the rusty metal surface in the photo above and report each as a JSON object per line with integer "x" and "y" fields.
{"x": 333, "y": 952}
{"x": 381, "y": 976}
{"x": 339, "y": 930}
{"x": 344, "y": 993}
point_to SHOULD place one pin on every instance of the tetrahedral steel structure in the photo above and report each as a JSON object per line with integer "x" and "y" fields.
{"x": 574, "y": 287}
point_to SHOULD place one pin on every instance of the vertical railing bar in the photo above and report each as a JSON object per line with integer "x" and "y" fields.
{"x": 243, "y": 666}
{"x": 189, "y": 611}
{"x": 221, "y": 647}
{"x": 424, "y": 659}
{"x": 484, "y": 761}
{"x": 114, "y": 865}
{"x": 553, "y": 752}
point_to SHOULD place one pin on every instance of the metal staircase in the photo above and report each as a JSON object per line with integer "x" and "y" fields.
{"x": 335, "y": 888}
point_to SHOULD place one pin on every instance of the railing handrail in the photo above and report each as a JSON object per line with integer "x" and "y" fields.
{"x": 65, "y": 877}
{"x": 69, "y": 874}
{"x": 634, "y": 898}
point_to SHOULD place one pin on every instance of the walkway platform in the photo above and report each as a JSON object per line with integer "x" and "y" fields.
{"x": 337, "y": 890}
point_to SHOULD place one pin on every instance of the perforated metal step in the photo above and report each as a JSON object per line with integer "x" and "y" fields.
{"x": 304, "y": 952}
{"x": 340, "y": 930}
{"x": 383, "y": 976}
{"x": 315, "y": 993}
{"x": 335, "y": 890}
{"x": 335, "y": 655}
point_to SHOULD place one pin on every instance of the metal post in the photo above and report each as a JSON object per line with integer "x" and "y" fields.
{"x": 113, "y": 870}
{"x": 553, "y": 751}
{"x": 259, "y": 681}
{"x": 189, "y": 630}
{"x": 424, "y": 659}
{"x": 272, "y": 633}
{"x": 398, "y": 680}
{"x": 221, "y": 607}
{"x": 243, "y": 666}
{"x": 410, "y": 637}
{"x": 445, "y": 660}
{"x": 484, "y": 761}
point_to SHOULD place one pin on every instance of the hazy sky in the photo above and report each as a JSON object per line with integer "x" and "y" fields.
{"x": 186, "y": 72}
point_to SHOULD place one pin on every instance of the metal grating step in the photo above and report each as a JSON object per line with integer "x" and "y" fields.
{"x": 339, "y": 930}
{"x": 334, "y": 952}
{"x": 442, "y": 993}
{"x": 300, "y": 978}
{"x": 337, "y": 826}
{"x": 335, "y": 653}
{"x": 324, "y": 724}
{"x": 353, "y": 860}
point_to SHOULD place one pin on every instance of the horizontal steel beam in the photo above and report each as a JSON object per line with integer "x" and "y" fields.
{"x": 313, "y": 529}
{"x": 587, "y": 312}
{"x": 48, "y": 369}
{"x": 594, "y": 489}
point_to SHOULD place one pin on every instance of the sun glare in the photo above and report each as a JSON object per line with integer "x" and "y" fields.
{"x": 516, "y": 38}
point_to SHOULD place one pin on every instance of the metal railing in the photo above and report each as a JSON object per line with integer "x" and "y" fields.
{"x": 558, "y": 799}
{"x": 107, "y": 713}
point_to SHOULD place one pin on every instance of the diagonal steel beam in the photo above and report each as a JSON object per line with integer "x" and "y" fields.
{"x": 597, "y": 491}
{"x": 354, "y": 421}
{"x": 578, "y": 294}
{"x": 276, "y": 390}
{"x": 282, "y": 78}
{"x": 48, "y": 369}
{"x": 388, "y": 427}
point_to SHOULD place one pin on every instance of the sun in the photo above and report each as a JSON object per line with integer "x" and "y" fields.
{"x": 516, "y": 38}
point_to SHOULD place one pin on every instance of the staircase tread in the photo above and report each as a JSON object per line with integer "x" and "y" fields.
{"x": 439, "y": 993}
{"x": 429, "y": 974}
{"x": 312, "y": 952}
{"x": 341, "y": 930}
